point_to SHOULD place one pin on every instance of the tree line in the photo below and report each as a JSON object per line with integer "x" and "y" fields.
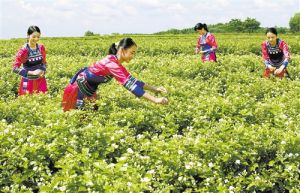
{"x": 249, "y": 25}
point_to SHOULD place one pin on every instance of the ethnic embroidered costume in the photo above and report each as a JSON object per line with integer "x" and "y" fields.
{"x": 275, "y": 56}
{"x": 31, "y": 59}
{"x": 85, "y": 82}
{"x": 208, "y": 44}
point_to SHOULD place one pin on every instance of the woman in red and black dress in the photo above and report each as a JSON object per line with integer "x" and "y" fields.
{"x": 206, "y": 43}
{"x": 275, "y": 54}
{"x": 32, "y": 57}
{"x": 85, "y": 82}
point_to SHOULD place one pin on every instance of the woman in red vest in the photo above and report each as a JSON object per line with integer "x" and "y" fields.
{"x": 206, "y": 43}
{"x": 32, "y": 57}
{"x": 275, "y": 54}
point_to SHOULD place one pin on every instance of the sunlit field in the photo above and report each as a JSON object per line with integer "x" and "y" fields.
{"x": 225, "y": 129}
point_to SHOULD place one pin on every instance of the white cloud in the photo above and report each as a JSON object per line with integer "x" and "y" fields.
{"x": 223, "y": 3}
{"x": 176, "y": 8}
{"x": 148, "y": 4}
{"x": 267, "y": 4}
{"x": 74, "y": 17}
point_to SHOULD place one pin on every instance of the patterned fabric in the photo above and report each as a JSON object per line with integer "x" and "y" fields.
{"x": 110, "y": 67}
{"x": 34, "y": 57}
{"x": 208, "y": 44}
{"x": 135, "y": 86}
{"x": 84, "y": 86}
{"x": 31, "y": 59}
{"x": 85, "y": 82}
{"x": 73, "y": 98}
{"x": 275, "y": 55}
{"x": 28, "y": 86}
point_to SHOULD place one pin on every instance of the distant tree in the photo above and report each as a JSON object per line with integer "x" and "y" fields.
{"x": 282, "y": 30}
{"x": 235, "y": 25}
{"x": 88, "y": 33}
{"x": 295, "y": 23}
{"x": 251, "y": 25}
{"x": 219, "y": 28}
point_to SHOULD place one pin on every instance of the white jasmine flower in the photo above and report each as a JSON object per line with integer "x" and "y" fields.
{"x": 140, "y": 136}
{"x": 145, "y": 179}
{"x": 129, "y": 150}
{"x": 114, "y": 145}
{"x": 180, "y": 151}
{"x": 122, "y": 158}
{"x": 63, "y": 188}
{"x": 151, "y": 172}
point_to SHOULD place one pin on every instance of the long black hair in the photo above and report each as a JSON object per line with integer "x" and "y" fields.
{"x": 33, "y": 29}
{"x": 124, "y": 43}
{"x": 271, "y": 30}
{"x": 199, "y": 26}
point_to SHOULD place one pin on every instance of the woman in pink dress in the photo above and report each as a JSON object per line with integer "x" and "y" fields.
{"x": 275, "y": 54}
{"x": 85, "y": 82}
{"x": 30, "y": 64}
{"x": 206, "y": 43}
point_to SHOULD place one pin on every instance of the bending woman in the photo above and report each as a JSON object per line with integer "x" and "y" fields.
{"x": 85, "y": 82}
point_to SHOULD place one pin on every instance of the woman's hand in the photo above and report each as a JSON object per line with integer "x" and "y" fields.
{"x": 161, "y": 100}
{"x": 156, "y": 100}
{"x": 37, "y": 72}
{"x": 160, "y": 89}
{"x": 271, "y": 68}
{"x": 279, "y": 70}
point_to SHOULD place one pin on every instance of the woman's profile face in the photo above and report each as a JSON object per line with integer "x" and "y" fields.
{"x": 271, "y": 38}
{"x": 128, "y": 54}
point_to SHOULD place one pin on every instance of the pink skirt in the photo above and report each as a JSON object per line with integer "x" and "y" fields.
{"x": 70, "y": 97}
{"x": 28, "y": 86}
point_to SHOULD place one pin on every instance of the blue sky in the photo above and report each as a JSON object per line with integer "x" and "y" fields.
{"x": 74, "y": 17}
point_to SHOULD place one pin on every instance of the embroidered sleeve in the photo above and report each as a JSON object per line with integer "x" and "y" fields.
{"x": 43, "y": 51}
{"x": 21, "y": 58}
{"x": 284, "y": 47}
{"x": 135, "y": 86}
{"x": 264, "y": 51}
{"x": 211, "y": 40}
